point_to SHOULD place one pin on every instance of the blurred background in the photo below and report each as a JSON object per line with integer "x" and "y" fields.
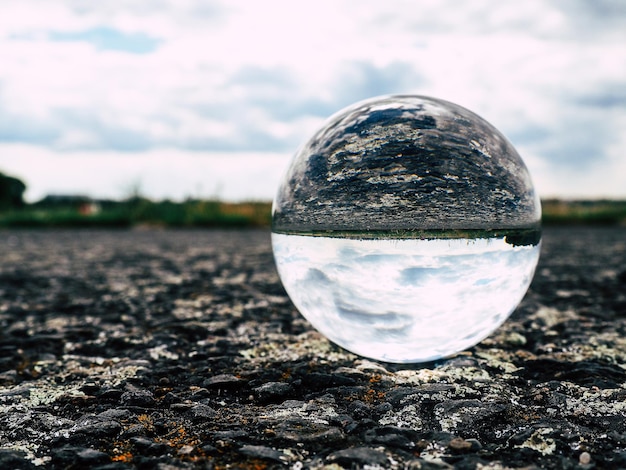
{"x": 199, "y": 99}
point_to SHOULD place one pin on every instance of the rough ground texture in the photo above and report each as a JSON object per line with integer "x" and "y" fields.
{"x": 180, "y": 349}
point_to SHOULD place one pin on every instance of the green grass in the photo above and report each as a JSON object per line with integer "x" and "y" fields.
{"x": 214, "y": 213}
{"x": 600, "y": 212}
{"x": 143, "y": 212}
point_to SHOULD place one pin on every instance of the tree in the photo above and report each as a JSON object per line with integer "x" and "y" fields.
{"x": 11, "y": 192}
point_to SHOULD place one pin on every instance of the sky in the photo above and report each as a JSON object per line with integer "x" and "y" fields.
{"x": 200, "y": 98}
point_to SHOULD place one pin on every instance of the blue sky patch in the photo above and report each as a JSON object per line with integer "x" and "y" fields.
{"x": 111, "y": 39}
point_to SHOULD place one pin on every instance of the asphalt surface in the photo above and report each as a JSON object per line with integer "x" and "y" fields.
{"x": 180, "y": 349}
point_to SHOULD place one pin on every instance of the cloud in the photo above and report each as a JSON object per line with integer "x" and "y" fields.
{"x": 245, "y": 77}
{"x": 600, "y": 19}
{"x": 162, "y": 173}
{"x": 606, "y": 96}
{"x": 21, "y": 129}
{"x": 361, "y": 80}
{"x": 104, "y": 38}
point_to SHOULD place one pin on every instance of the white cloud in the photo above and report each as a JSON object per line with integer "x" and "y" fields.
{"x": 163, "y": 173}
{"x": 255, "y": 77}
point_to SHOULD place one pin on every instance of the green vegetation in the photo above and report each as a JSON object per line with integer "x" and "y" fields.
{"x": 11, "y": 192}
{"x": 138, "y": 211}
{"x": 82, "y": 211}
{"x": 598, "y": 212}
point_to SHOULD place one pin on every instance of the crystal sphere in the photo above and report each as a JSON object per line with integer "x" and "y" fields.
{"x": 406, "y": 229}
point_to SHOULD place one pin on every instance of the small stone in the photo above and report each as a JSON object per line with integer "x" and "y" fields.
{"x": 476, "y": 445}
{"x": 262, "y": 452}
{"x": 391, "y": 436}
{"x": 351, "y": 372}
{"x": 272, "y": 391}
{"x": 138, "y": 397}
{"x": 11, "y": 459}
{"x": 181, "y": 407}
{"x": 223, "y": 381}
{"x": 421, "y": 464}
{"x": 110, "y": 394}
{"x": 358, "y": 456}
{"x": 359, "y": 409}
{"x": 78, "y": 457}
{"x": 541, "y": 440}
{"x": 515, "y": 339}
{"x": 21, "y": 390}
{"x": 135, "y": 430}
{"x": 116, "y": 414}
{"x": 319, "y": 381}
{"x": 584, "y": 458}
{"x": 230, "y": 435}
{"x": 209, "y": 449}
{"x": 201, "y": 412}
{"x": 200, "y": 394}
{"x": 460, "y": 445}
{"x": 173, "y": 466}
{"x": 141, "y": 442}
{"x": 9, "y": 377}
{"x": 465, "y": 413}
{"x": 96, "y": 427}
{"x": 342, "y": 420}
{"x": 301, "y": 431}
{"x": 171, "y": 398}
{"x": 92, "y": 456}
{"x": 90, "y": 388}
{"x": 186, "y": 450}
{"x": 148, "y": 446}
{"x": 394, "y": 440}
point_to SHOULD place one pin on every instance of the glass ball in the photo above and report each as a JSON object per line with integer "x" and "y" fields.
{"x": 406, "y": 229}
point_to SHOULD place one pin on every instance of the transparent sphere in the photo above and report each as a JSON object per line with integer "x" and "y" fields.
{"x": 406, "y": 229}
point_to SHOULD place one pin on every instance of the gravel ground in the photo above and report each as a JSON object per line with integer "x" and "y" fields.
{"x": 180, "y": 349}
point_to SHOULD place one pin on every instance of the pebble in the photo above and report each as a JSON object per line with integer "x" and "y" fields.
{"x": 137, "y": 397}
{"x": 461, "y": 445}
{"x": 272, "y": 392}
{"x": 230, "y": 435}
{"x": 358, "y": 456}
{"x": 584, "y": 458}
{"x": 319, "y": 381}
{"x": 515, "y": 339}
{"x": 69, "y": 457}
{"x": 223, "y": 381}
{"x": 148, "y": 446}
{"x": 263, "y": 452}
{"x": 201, "y": 412}
{"x": 115, "y": 413}
{"x": 422, "y": 464}
{"x": 10, "y": 459}
{"x": 9, "y": 377}
{"x": 391, "y": 436}
{"x": 96, "y": 427}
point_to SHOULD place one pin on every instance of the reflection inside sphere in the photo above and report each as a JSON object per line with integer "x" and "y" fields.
{"x": 406, "y": 229}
